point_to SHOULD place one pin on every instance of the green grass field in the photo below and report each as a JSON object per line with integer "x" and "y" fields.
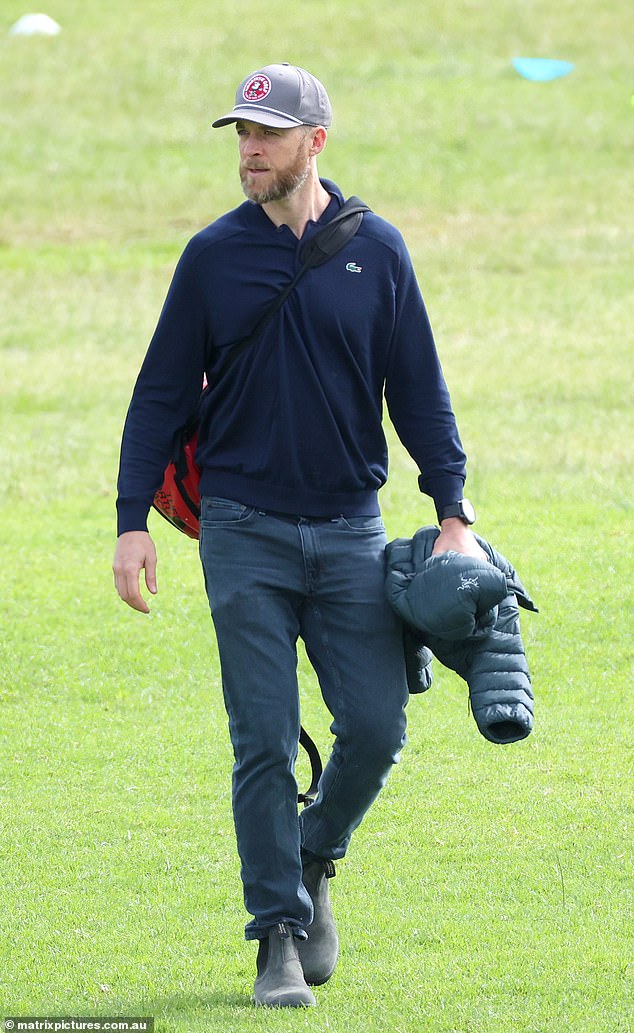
{"x": 490, "y": 888}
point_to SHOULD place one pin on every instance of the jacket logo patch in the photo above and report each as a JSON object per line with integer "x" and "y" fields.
{"x": 467, "y": 582}
{"x": 352, "y": 267}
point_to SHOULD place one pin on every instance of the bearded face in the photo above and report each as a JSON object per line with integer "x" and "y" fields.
{"x": 274, "y": 167}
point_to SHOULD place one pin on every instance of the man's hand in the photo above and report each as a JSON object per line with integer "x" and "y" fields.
{"x": 456, "y": 536}
{"x": 134, "y": 552}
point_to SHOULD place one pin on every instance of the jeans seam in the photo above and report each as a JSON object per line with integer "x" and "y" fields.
{"x": 343, "y": 716}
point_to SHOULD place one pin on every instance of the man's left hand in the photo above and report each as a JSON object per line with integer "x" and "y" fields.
{"x": 455, "y": 536}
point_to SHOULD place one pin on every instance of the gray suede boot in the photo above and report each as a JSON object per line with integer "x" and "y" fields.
{"x": 280, "y": 982}
{"x": 318, "y": 954}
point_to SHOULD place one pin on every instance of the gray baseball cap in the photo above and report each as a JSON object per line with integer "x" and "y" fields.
{"x": 280, "y": 96}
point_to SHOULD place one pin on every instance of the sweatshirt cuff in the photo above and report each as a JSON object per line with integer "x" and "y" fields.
{"x": 132, "y": 515}
{"x": 443, "y": 490}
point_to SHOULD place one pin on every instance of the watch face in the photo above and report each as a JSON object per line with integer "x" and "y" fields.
{"x": 468, "y": 511}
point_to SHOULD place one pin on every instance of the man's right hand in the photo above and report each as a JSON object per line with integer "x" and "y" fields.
{"x": 134, "y": 552}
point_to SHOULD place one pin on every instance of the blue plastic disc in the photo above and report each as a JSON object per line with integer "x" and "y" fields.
{"x": 541, "y": 69}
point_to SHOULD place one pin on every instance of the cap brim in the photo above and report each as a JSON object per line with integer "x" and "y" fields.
{"x": 263, "y": 117}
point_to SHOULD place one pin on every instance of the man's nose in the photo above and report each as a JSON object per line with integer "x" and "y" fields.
{"x": 251, "y": 144}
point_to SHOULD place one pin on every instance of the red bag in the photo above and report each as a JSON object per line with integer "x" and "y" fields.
{"x": 178, "y": 498}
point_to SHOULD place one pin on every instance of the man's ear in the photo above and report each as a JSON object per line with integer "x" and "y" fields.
{"x": 317, "y": 140}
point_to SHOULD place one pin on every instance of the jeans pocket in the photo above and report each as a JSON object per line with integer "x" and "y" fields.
{"x": 362, "y": 523}
{"x": 215, "y": 511}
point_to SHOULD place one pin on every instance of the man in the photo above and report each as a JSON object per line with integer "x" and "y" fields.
{"x": 292, "y": 545}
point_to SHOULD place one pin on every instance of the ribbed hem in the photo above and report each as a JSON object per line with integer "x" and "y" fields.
{"x": 294, "y": 501}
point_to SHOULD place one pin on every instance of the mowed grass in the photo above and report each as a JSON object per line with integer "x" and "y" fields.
{"x": 490, "y": 889}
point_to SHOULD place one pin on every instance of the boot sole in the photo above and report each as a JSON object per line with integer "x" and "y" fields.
{"x": 285, "y": 1002}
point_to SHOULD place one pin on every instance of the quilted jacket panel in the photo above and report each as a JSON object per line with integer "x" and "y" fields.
{"x": 466, "y": 611}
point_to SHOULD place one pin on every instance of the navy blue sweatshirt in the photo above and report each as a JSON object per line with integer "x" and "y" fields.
{"x": 295, "y": 424}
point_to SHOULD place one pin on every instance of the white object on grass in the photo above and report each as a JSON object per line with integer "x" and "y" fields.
{"x": 35, "y": 25}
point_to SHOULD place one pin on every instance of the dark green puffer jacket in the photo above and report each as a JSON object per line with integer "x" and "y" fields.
{"x": 465, "y": 610}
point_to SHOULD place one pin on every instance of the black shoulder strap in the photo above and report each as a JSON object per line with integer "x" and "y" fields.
{"x": 334, "y": 235}
{"x": 315, "y": 767}
{"x": 317, "y": 250}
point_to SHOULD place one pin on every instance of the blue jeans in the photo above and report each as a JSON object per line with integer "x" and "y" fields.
{"x": 271, "y": 580}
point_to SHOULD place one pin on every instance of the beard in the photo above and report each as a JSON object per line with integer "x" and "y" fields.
{"x": 283, "y": 184}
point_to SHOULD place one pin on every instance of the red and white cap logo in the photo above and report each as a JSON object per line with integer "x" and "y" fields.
{"x": 257, "y": 88}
